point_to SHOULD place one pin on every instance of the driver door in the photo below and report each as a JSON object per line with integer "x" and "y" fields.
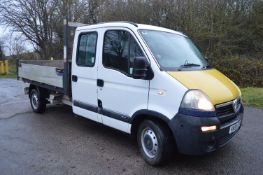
{"x": 119, "y": 94}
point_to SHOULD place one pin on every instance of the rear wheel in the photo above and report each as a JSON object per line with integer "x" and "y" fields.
{"x": 38, "y": 104}
{"x": 155, "y": 142}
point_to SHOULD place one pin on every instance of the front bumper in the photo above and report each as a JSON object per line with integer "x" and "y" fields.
{"x": 192, "y": 141}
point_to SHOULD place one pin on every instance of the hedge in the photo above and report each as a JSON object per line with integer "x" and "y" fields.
{"x": 244, "y": 72}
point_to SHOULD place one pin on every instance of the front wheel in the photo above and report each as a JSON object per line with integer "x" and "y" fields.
{"x": 155, "y": 142}
{"x": 38, "y": 104}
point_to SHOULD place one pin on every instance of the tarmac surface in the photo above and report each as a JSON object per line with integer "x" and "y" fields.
{"x": 57, "y": 142}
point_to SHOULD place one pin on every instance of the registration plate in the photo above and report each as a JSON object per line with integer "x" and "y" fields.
{"x": 234, "y": 127}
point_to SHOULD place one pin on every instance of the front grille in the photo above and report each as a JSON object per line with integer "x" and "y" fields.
{"x": 225, "y": 112}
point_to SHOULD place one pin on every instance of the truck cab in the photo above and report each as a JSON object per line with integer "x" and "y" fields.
{"x": 154, "y": 84}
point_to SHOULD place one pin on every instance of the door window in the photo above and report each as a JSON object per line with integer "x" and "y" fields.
{"x": 120, "y": 50}
{"x": 86, "y": 53}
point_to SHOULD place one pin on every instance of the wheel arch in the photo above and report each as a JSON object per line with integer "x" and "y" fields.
{"x": 31, "y": 86}
{"x": 44, "y": 93}
{"x": 145, "y": 114}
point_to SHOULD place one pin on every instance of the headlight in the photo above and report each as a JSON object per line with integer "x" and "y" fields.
{"x": 196, "y": 99}
{"x": 237, "y": 104}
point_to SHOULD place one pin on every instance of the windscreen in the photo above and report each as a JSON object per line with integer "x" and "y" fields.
{"x": 173, "y": 51}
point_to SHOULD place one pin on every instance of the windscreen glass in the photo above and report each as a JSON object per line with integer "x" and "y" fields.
{"x": 173, "y": 51}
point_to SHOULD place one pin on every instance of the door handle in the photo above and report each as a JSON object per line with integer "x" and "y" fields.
{"x": 100, "y": 82}
{"x": 74, "y": 78}
{"x": 99, "y": 103}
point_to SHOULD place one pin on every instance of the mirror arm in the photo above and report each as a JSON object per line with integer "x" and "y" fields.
{"x": 149, "y": 73}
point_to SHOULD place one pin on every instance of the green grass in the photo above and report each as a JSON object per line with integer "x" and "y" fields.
{"x": 12, "y": 72}
{"x": 253, "y": 96}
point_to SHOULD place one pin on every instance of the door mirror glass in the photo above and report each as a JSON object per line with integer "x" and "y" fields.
{"x": 142, "y": 69}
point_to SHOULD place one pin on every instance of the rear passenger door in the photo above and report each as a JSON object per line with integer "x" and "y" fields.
{"x": 119, "y": 94}
{"x": 84, "y": 76}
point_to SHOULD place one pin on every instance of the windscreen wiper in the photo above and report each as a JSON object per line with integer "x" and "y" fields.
{"x": 188, "y": 65}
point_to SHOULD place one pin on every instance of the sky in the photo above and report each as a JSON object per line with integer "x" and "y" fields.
{"x": 1, "y": 29}
{"x": 5, "y": 34}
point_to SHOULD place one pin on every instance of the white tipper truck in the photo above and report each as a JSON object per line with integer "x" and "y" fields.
{"x": 147, "y": 81}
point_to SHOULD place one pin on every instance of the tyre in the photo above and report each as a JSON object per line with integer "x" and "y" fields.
{"x": 38, "y": 104}
{"x": 155, "y": 142}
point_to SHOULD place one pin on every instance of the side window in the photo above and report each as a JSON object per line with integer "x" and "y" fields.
{"x": 119, "y": 51}
{"x": 86, "y": 53}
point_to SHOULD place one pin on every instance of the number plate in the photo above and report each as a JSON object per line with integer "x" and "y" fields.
{"x": 234, "y": 127}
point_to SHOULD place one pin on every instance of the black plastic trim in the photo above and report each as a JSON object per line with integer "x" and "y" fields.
{"x": 85, "y": 106}
{"x": 150, "y": 113}
{"x": 106, "y": 112}
{"x": 74, "y": 78}
{"x": 196, "y": 112}
{"x": 115, "y": 115}
{"x": 100, "y": 82}
{"x": 192, "y": 141}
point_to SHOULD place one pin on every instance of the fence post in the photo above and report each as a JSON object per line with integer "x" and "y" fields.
{"x": 6, "y": 67}
{"x": 2, "y": 67}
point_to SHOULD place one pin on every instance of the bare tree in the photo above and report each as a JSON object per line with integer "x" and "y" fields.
{"x": 220, "y": 27}
{"x": 16, "y": 46}
{"x": 33, "y": 18}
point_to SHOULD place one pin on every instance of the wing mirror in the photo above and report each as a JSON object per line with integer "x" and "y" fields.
{"x": 142, "y": 69}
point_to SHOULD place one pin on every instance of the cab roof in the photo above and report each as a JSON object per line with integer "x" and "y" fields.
{"x": 130, "y": 25}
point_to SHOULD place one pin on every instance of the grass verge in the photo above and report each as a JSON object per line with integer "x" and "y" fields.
{"x": 253, "y": 96}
